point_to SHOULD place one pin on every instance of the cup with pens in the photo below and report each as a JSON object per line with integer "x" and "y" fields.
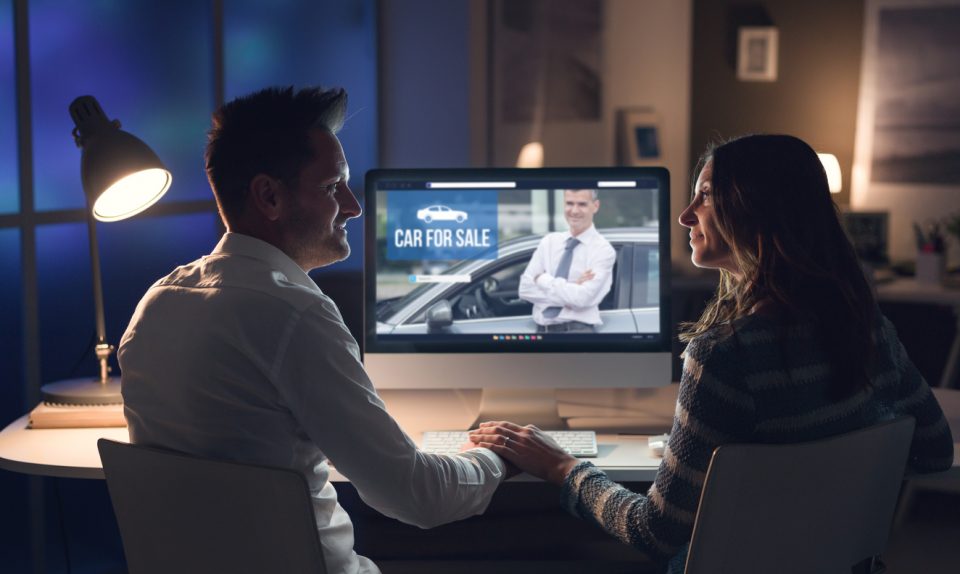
{"x": 931, "y": 251}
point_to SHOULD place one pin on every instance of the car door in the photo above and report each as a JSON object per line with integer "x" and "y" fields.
{"x": 488, "y": 304}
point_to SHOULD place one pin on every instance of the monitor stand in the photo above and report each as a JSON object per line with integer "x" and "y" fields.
{"x": 522, "y": 406}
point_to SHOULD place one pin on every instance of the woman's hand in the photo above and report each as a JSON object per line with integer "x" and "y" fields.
{"x": 529, "y": 448}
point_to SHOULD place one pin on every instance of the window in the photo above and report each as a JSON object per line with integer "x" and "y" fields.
{"x": 9, "y": 182}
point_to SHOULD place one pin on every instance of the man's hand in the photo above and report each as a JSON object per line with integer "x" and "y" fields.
{"x": 585, "y": 276}
{"x": 511, "y": 469}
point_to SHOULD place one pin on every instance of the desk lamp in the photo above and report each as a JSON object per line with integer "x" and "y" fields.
{"x": 121, "y": 177}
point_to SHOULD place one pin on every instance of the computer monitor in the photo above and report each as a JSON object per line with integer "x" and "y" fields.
{"x": 447, "y": 304}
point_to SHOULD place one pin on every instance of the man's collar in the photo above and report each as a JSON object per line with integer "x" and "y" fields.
{"x": 248, "y": 246}
{"x": 589, "y": 234}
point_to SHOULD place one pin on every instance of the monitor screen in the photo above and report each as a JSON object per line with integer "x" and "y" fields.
{"x": 571, "y": 263}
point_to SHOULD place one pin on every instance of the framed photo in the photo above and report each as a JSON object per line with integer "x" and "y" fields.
{"x": 907, "y": 152}
{"x": 757, "y": 53}
{"x": 867, "y": 231}
{"x": 638, "y": 137}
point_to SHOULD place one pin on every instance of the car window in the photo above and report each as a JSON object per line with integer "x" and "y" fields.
{"x": 492, "y": 293}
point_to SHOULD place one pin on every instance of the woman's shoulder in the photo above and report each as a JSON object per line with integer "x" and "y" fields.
{"x": 887, "y": 342}
{"x": 748, "y": 330}
{"x": 752, "y": 341}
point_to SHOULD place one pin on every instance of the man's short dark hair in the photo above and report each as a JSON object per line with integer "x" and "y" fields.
{"x": 266, "y": 132}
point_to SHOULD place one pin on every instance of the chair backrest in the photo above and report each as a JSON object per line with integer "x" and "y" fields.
{"x": 815, "y": 507}
{"x": 184, "y": 514}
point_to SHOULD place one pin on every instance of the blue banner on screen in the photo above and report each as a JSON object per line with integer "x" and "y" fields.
{"x": 441, "y": 225}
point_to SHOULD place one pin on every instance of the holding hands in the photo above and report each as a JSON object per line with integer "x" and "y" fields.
{"x": 527, "y": 447}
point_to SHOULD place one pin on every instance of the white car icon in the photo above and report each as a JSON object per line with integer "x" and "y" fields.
{"x": 441, "y": 213}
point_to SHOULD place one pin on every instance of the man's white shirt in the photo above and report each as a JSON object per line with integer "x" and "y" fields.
{"x": 579, "y": 302}
{"x": 239, "y": 355}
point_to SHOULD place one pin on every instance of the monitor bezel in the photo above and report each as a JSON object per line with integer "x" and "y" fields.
{"x": 550, "y": 344}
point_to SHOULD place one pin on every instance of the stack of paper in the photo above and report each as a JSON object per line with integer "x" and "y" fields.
{"x": 57, "y": 416}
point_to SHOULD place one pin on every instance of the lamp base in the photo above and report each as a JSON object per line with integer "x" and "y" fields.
{"x": 83, "y": 391}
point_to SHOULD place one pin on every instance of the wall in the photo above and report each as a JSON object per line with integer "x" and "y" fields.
{"x": 424, "y": 83}
{"x": 645, "y": 60}
{"x": 648, "y": 52}
{"x": 916, "y": 98}
{"x": 815, "y": 95}
{"x": 434, "y": 85}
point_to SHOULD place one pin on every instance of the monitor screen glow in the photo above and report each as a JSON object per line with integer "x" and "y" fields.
{"x": 466, "y": 285}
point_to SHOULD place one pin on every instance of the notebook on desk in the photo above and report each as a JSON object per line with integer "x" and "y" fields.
{"x": 54, "y": 416}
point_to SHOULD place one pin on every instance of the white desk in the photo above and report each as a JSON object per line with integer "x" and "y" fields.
{"x": 907, "y": 290}
{"x": 67, "y": 453}
{"x": 72, "y": 453}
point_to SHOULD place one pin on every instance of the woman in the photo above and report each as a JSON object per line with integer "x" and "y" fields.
{"x": 792, "y": 348}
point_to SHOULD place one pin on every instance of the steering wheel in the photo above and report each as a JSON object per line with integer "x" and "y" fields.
{"x": 483, "y": 308}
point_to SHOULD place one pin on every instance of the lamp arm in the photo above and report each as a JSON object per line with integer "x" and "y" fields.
{"x": 103, "y": 349}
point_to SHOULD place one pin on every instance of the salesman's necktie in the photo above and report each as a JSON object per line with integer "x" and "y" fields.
{"x": 563, "y": 269}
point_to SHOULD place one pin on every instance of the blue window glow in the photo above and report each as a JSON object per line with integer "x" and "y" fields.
{"x": 149, "y": 64}
{"x": 9, "y": 181}
{"x": 288, "y": 42}
{"x": 133, "y": 255}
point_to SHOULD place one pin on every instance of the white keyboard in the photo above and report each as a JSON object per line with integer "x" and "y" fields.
{"x": 579, "y": 443}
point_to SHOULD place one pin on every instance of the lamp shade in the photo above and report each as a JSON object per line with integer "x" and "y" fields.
{"x": 832, "y": 167}
{"x": 121, "y": 175}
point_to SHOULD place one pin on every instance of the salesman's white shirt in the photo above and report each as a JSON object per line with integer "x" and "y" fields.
{"x": 239, "y": 355}
{"x": 579, "y": 302}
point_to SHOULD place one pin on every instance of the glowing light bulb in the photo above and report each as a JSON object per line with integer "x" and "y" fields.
{"x": 132, "y": 194}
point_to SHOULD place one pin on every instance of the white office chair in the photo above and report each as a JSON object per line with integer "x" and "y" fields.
{"x": 184, "y": 514}
{"x": 816, "y": 507}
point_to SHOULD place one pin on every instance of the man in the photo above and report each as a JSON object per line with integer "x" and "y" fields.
{"x": 570, "y": 272}
{"x": 239, "y": 354}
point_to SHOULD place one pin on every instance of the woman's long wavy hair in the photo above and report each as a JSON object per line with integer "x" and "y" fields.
{"x": 773, "y": 209}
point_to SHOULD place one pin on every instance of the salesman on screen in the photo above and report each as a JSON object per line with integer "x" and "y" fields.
{"x": 571, "y": 271}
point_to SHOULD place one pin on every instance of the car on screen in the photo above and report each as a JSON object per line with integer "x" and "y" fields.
{"x": 489, "y": 302}
{"x": 441, "y": 213}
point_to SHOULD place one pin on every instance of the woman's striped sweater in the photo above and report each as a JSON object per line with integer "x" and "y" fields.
{"x": 755, "y": 382}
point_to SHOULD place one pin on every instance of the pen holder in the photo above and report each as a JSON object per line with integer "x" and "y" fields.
{"x": 930, "y": 267}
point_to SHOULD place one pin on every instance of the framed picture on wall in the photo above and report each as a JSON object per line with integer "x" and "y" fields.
{"x": 757, "y": 53}
{"x": 912, "y": 122}
{"x": 639, "y": 137}
{"x": 907, "y": 152}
